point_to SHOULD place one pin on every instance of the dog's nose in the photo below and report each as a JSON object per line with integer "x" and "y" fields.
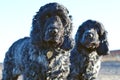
{"x": 89, "y": 35}
{"x": 53, "y": 31}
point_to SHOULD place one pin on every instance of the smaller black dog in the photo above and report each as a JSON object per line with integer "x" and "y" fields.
{"x": 91, "y": 45}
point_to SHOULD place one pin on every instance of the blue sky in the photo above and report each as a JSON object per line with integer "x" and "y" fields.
{"x": 16, "y": 18}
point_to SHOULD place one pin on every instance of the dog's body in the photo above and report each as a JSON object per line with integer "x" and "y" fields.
{"x": 37, "y": 62}
{"x": 84, "y": 67}
{"x": 91, "y": 45}
{"x": 45, "y": 54}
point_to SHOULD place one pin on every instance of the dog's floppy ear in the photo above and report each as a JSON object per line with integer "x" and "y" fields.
{"x": 68, "y": 43}
{"x": 36, "y": 33}
{"x": 68, "y": 40}
{"x": 103, "y": 48}
{"x": 78, "y": 36}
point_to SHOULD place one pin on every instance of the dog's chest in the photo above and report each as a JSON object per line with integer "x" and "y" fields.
{"x": 92, "y": 64}
{"x": 54, "y": 64}
{"x": 58, "y": 66}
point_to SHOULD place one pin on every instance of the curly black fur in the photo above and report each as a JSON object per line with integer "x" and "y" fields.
{"x": 91, "y": 44}
{"x": 45, "y": 54}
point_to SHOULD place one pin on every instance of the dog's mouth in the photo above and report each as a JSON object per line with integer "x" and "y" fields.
{"x": 52, "y": 39}
{"x": 53, "y": 36}
{"x": 91, "y": 45}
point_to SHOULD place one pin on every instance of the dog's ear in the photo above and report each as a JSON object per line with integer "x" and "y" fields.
{"x": 79, "y": 35}
{"x": 103, "y": 48}
{"x": 36, "y": 31}
{"x": 68, "y": 40}
{"x": 68, "y": 43}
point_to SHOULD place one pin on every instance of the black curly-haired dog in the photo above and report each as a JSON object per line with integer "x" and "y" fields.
{"x": 45, "y": 54}
{"x": 91, "y": 45}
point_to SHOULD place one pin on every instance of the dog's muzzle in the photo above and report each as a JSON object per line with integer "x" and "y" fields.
{"x": 53, "y": 32}
{"x": 90, "y": 40}
{"x": 52, "y": 35}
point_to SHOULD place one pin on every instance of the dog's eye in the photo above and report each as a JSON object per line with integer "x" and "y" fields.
{"x": 47, "y": 16}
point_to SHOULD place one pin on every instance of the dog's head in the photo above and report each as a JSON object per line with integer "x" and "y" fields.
{"x": 92, "y": 36}
{"x": 52, "y": 27}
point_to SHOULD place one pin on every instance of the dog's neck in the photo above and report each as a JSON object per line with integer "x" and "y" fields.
{"x": 89, "y": 55}
{"x": 50, "y": 54}
{"x": 57, "y": 58}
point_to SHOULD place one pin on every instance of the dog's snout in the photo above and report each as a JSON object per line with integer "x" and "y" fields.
{"x": 53, "y": 31}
